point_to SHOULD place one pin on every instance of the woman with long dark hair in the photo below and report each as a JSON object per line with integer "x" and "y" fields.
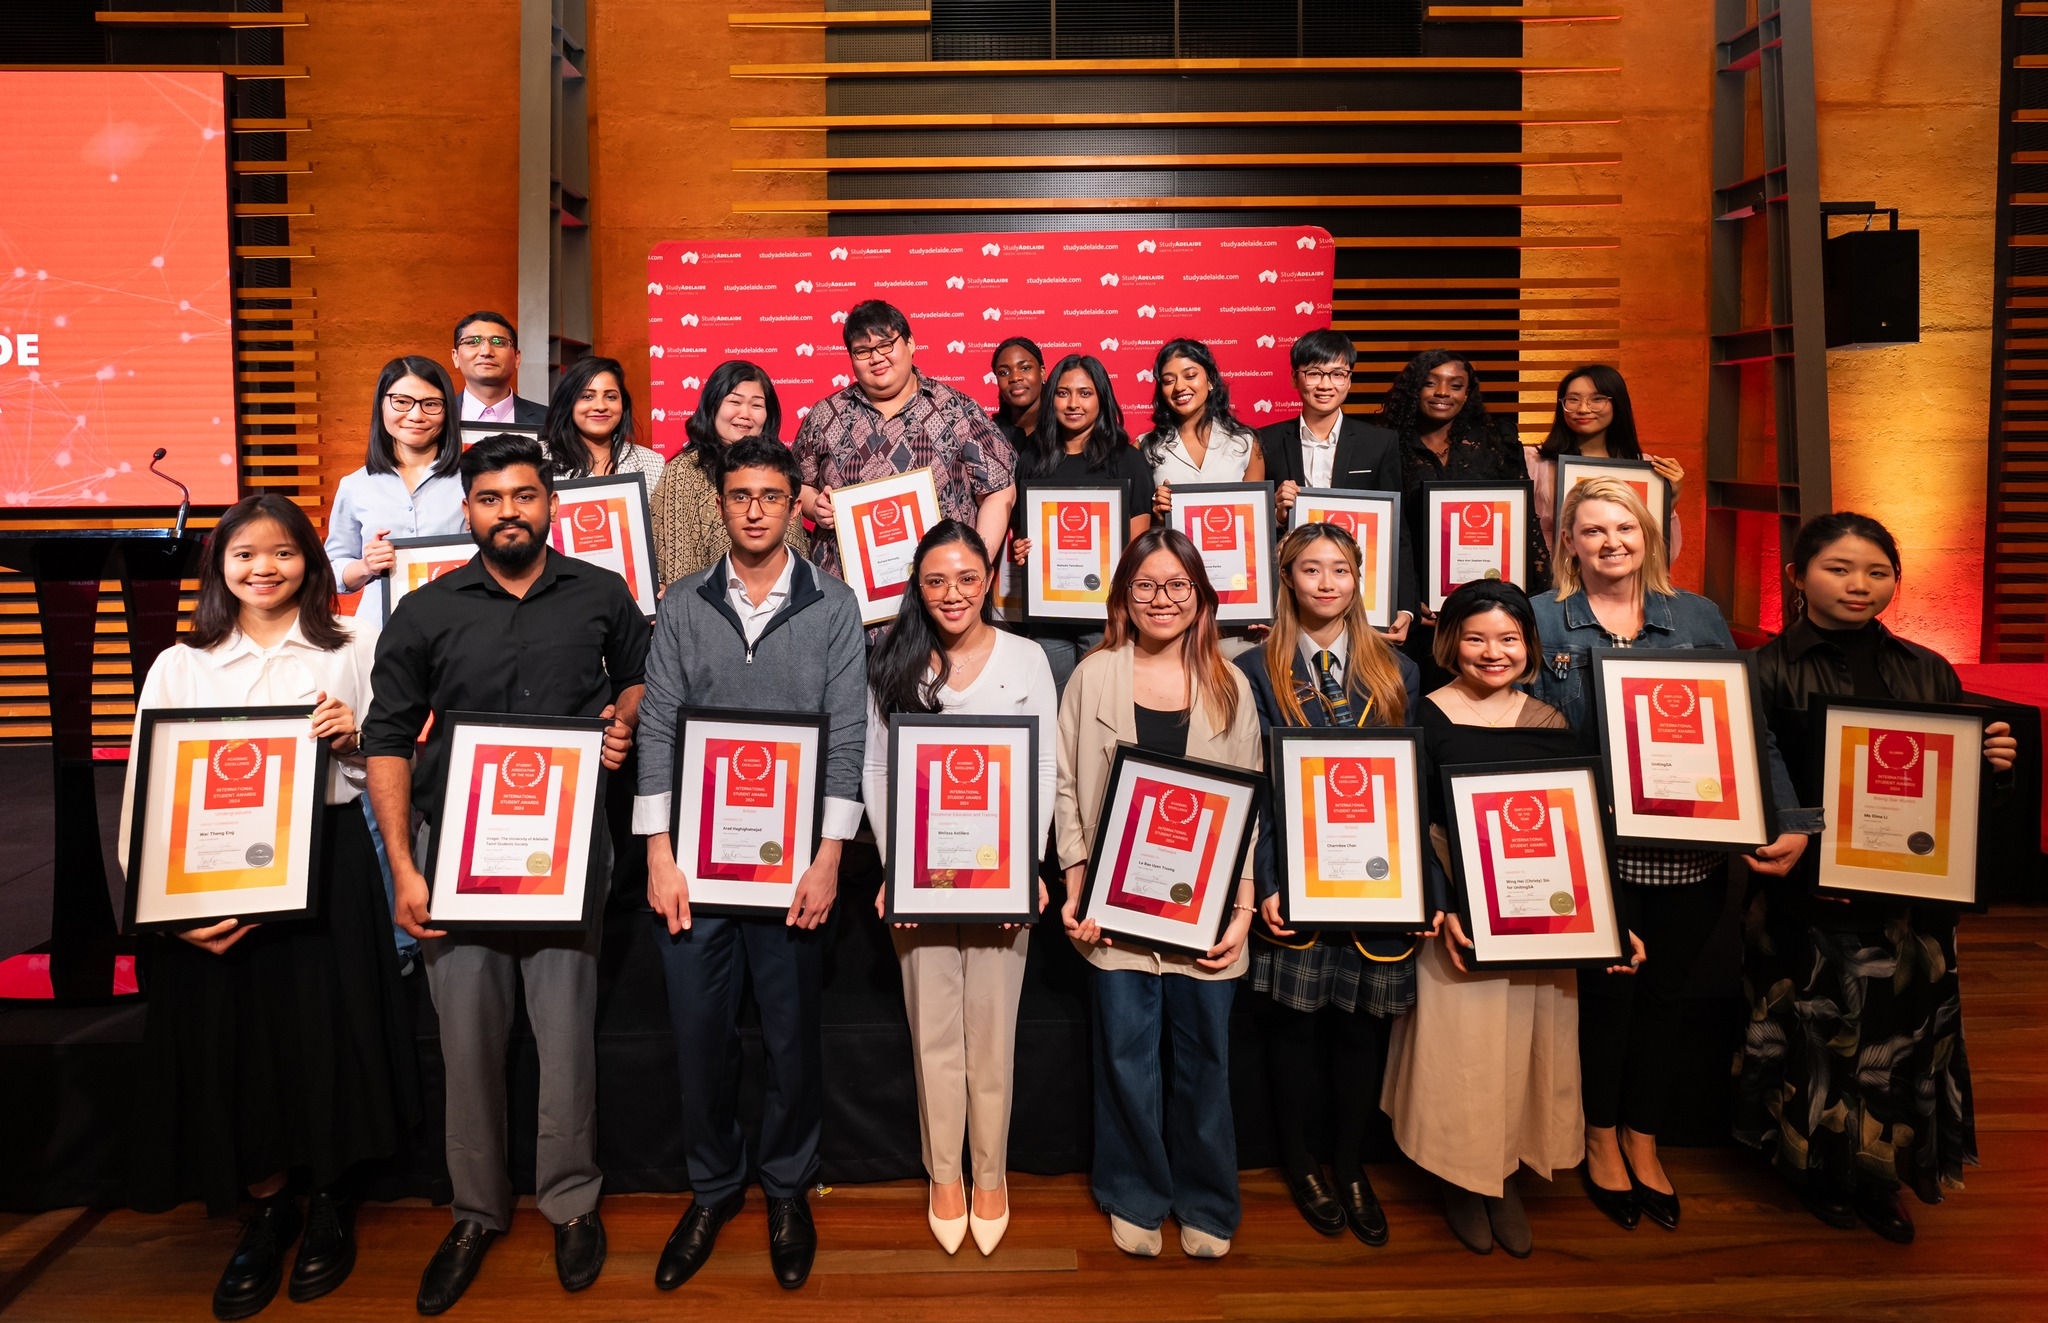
{"x": 961, "y": 982}
{"x": 738, "y": 400}
{"x": 1159, "y": 681}
{"x": 407, "y": 486}
{"x": 1324, "y": 664}
{"x": 1194, "y": 436}
{"x": 1594, "y": 418}
{"x": 1018, "y": 365}
{"x": 589, "y": 428}
{"x": 1854, "y": 1072}
{"x": 1080, "y": 440}
{"x": 277, "y": 1057}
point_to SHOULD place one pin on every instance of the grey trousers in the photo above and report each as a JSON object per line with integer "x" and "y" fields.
{"x": 471, "y": 978}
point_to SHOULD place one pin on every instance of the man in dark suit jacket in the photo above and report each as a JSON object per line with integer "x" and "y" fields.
{"x": 487, "y": 356}
{"x": 1323, "y": 448}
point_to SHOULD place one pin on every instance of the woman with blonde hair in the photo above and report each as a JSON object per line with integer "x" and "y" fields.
{"x": 1332, "y": 669}
{"x": 1614, "y": 591}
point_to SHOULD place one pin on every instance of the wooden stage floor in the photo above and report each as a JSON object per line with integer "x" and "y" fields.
{"x": 1745, "y": 1247}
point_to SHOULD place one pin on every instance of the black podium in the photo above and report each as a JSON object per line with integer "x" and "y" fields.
{"x": 68, "y": 566}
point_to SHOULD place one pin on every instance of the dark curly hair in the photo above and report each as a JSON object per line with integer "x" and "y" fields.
{"x": 1401, "y": 410}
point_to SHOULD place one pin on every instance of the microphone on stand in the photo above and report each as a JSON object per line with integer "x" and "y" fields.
{"x": 184, "y": 505}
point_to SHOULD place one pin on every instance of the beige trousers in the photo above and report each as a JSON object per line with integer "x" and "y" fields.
{"x": 961, "y": 983}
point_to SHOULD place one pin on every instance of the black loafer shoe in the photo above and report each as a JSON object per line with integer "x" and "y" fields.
{"x": 1830, "y": 1206}
{"x": 1317, "y": 1204}
{"x": 792, "y": 1240}
{"x": 250, "y": 1279}
{"x": 1619, "y": 1205}
{"x": 689, "y": 1245}
{"x": 1883, "y": 1214}
{"x": 454, "y": 1266}
{"x": 327, "y": 1254}
{"x": 579, "y": 1250}
{"x": 1362, "y": 1212}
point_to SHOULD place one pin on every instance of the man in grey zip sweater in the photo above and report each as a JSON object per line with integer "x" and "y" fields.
{"x": 760, "y": 630}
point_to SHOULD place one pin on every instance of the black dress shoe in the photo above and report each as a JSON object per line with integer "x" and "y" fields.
{"x": 1829, "y": 1205}
{"x": 454, "y": 1266}
{"x": 1362, "y": 1212}
{"x": 1658, "y": 1207}
{"x": 689, "y": 1245}
{"x": 1882, "y": 1213}
{"x": 327, "y": 1254}
{"x": 1317, "y": 1204}
{"x": 579, "y": 1250}
{"x": 1617, "y": 1204}
{"x": 792, "y": 1240}
{"x": 250, "y": 1279}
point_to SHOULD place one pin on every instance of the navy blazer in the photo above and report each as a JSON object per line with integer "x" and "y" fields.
{"x": 1368, "y": 459}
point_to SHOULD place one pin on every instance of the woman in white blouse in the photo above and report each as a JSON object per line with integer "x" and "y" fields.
{"x": 961, "y": 982}
{"x": 275, "y": 1052}
{"x": 1194, "y": 437}
{"x": 589, "y": 427}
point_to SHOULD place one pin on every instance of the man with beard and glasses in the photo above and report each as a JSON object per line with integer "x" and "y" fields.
{"x": 521, "y": 630}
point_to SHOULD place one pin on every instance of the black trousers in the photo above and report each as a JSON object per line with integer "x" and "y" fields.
{"x": 1303, "y": 1079}
{"x": 1629, "y": 1023}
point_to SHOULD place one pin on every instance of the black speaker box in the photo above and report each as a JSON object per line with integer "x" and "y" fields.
{"x": 1872, "y": 279}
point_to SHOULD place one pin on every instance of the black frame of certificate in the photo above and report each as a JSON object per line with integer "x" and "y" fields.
{"x": 651, "y": 576}
{"x": 1130, "y": 757}
{"x": 1363, "y": 496}
{"x": 483, "y": 429}
{"x": 1817, "y": 716}
{"x": 1461, "y": 896}
{"x": 1644, "y": 466}
{"x": 1428, "y": 551}
{"x": 418, "y": 543}
{"x": 1261, "y": 548}
{"x": 596, "y": 875}
{"x": 1119, "y": 532}
{"x": 1287, "y": 818}
{"x": 313, "y": 779}
{"x": 1023, "y": 794}
{"x": 816, "y": 721}
{"x": 1602, "y": 659}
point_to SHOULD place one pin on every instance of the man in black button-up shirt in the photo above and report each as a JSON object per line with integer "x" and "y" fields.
{"x": 521, "y": 629}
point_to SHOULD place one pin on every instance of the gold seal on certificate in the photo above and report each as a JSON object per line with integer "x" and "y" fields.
{"x": 771, "y": 852}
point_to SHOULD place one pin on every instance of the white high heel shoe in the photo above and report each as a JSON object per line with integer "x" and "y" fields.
{"x": 948, "y": 1231}
{"x": 988, "y": 1231}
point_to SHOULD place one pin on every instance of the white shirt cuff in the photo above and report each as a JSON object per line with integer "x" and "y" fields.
{"x": 842, "y": 818}
{"x": 650, "y": 815}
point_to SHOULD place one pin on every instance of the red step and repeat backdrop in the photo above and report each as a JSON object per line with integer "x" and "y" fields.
{"x": 1116, "y": 294}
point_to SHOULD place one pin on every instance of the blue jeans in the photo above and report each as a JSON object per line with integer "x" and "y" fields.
{"x": 1157, "y": 1155}
{"x": 408, "y": 946}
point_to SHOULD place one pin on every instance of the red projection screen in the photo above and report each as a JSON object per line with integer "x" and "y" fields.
{"x": 115, "y": 322}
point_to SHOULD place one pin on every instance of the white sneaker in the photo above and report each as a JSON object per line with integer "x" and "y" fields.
{"x": 1201, "y": 1245}
{"x": 1134, "y": 1239}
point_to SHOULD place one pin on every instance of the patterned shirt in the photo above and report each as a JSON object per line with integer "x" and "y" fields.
{"x": 845, "y": 440}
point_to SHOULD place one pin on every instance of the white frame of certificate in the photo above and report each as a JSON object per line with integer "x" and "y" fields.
{"x": 1663, "y": 822}
{"x": 1232, "y": 793}
{"x": 419, "y": 551}
{"x": 157, "y": 820}
{"x": 1493, "y": 945}
{"x": 1258, "y": 551}
{"x": 1948, "y": 875}
{"x": 1515, "y": 549}
{"x": 1300, "y": 828}
{"x": 628, "y": 492}
{"x": 878, "y": 606}
{"x": 474, "y": 431}
{"x": 911, "y": 815}
{"x": 803, "y": 806}
{"x": 1575, "y": 469}
{"x": 1103, "y": 555}
{"x": 577, "y": 843}
{"x": 1384, "y": 553}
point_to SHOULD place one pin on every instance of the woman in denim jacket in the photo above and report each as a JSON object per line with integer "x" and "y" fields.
{"x": 1614, "y": 591}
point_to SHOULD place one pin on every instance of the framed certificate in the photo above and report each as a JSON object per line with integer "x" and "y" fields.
{"x": 1637, "y": 473}
{"x": 1169, "y": 849}
{"x": 879, "y": 525}
{"x": 473, "y": 431}
{"x": 1899, "y": 784}
{"x": 1529, "y": 854}
{"x": 1373, "y": 518}
{"x": 748, "y": 806}
{"x": 1349, "y": 828}
{"x": 604, "y": 521}
{"x": 963, "y": 809}
{"x": 517, "y": 846}
{"x": 422, "y": 560}
{"x": 1680, "y": 736}
{"x": 1231, "y": 524}
{"x": 1077, "y": 536}
{"x": 1475, "y": 530}
{"x": 226, "y": 818}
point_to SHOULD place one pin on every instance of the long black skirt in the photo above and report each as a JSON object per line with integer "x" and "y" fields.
{"x": 292, "y": 1052}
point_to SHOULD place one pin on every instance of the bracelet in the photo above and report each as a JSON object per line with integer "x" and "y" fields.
{"x": 1248, "y": 909}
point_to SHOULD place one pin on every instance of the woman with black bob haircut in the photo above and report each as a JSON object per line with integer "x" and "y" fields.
{"x": 277, "y": 1058}
{"x": 738, "y": 401}
{"x": 589, "y": 427}
{"x": 407, "y": 485}
{"x": 1593, "y": 418}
